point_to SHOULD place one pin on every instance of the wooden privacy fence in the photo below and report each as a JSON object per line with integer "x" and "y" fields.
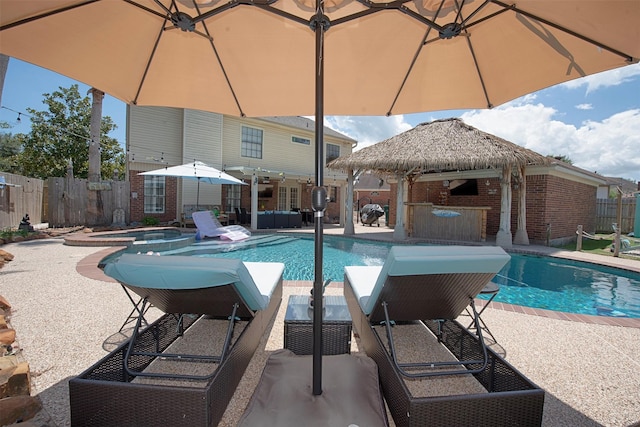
{"x": 18, "y": 196}
{"x": 607, "y": 214}
{"x": 470, "y": 225}
{"x": 68, "y": 201}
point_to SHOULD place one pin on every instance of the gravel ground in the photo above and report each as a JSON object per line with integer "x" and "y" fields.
{"x": 66, "y": 322}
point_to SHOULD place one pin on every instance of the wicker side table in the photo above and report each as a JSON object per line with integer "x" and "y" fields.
{"x": 336, "y": 326}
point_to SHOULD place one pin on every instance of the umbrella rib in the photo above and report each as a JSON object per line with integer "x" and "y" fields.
{"x": 627, "y": 57}
{"x": 472, "y": 14}
{"x": 413, "y": 62}
{"x": 398, "y": 5}
{"x": 371, "y": 7}
{"x": 262, "y": 4}
{"x": 224, "y": 71}
{"x": 279, "y": 12}
{"x": 475, "y": 63}
{"x": 146, "y": 68}
{"x": 46, "y": 15}
{"x": 146, "y": 9}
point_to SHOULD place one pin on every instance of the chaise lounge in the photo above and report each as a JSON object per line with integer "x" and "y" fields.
{"x": 124, "y": 389}
{"x": 209, "y": 226}
{"x": 429, "y": 287}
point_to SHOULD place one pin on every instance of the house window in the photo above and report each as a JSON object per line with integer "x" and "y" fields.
{"x": 233, "y": 197}
{"x": 299, "y": 140}
{"x": 154, "y": 194}
{"x": 251, "y": 142}
{"x": 333, "y": 152}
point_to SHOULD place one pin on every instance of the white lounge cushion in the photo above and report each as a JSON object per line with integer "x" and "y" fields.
{"x": 423, "y": 260}
{"x": 254, "y": 283}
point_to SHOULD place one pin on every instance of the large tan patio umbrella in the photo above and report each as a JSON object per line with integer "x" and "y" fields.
{"x": 272, "y": 58}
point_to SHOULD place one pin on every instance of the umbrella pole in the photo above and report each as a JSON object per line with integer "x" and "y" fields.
{"x": 318, "y": 198}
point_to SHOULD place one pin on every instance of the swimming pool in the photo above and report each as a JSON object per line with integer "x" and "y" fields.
{"x": 527, "y": 280}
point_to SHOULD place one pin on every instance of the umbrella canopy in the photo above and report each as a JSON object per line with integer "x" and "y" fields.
{"x": 438, "y": 146}
{"x": 262, "y": 57}
{"x": 198, "y": 171}
{"x": 256, "y": 57}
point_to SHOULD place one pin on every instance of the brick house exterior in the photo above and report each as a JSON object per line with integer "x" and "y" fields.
{"x": 555, "y": 204}
{"x": 158, "y": 136}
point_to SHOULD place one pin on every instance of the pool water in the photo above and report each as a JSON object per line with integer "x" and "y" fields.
{"x": 532, "y": 281}
{"x": 144, "y": 235}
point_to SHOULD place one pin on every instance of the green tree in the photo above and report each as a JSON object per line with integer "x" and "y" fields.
{"x": 61, "y": 135}
{"x": 10, "y": 147}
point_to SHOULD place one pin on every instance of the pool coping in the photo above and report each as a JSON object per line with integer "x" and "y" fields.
{"x": 88, "y": 267}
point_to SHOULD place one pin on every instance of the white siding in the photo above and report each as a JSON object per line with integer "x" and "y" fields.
{"x": 278, "y": 152}
{"x": 154, "y": 133}
{"x": 202, "y": 141}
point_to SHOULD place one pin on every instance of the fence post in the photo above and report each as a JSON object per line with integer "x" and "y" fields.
{"x": 616, "y": 250}
{"x": 579, "y": 241}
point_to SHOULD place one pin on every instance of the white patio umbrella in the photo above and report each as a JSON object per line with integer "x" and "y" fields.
{"x": 199, "y": 171}
{"x": 263, "y": 57}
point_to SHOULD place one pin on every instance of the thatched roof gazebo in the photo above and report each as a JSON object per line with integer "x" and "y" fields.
{"x": 442, "y": 146}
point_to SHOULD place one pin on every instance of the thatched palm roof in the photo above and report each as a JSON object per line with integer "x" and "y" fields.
{"x": 441, "y": 145}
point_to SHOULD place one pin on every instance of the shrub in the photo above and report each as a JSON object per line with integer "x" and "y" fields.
{"x": 150, "y": 221}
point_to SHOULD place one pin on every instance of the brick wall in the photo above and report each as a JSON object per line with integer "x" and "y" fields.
{"x": 137, "y": 204}
{"x": 569, "y": 204}
{"x": 375, "y": 196}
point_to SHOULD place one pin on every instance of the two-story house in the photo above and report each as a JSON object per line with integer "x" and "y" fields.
{"x": 276, "y": 154}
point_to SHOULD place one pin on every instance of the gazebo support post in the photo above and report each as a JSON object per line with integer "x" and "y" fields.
{"x": 399, "y": 232}
{"x": 348, "y": 205}
{"x": 504, "y": 237}
{"x": 522, "y": 237}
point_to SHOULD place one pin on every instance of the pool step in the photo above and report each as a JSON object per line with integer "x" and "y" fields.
{"x": 216, "y": 245}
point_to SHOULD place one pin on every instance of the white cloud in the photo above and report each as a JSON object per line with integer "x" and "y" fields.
{"x": 368, "y": 130}
{"x": 609, "y": 147}
{"x": 605, "y": 79}
{"x": 584, "y": 107}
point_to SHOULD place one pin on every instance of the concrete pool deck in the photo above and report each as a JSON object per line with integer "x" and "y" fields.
{"x": 66, "y": 319}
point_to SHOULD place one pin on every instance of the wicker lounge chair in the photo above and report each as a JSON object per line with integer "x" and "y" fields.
{"x": 431, "y": 286}
{"x": 228, "y": 289}
{"x": 209, "y": 226}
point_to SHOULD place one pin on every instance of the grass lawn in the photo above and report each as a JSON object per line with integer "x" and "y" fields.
{"x": 602, "y": 246}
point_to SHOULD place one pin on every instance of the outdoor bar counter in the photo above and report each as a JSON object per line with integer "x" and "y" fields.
{"x": 429, "y": 221}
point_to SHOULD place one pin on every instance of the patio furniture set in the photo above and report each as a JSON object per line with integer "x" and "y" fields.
{"x": 423, "y": 286}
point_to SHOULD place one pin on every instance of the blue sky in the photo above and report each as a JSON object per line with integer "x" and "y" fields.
{"x": 595, "y": 121}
